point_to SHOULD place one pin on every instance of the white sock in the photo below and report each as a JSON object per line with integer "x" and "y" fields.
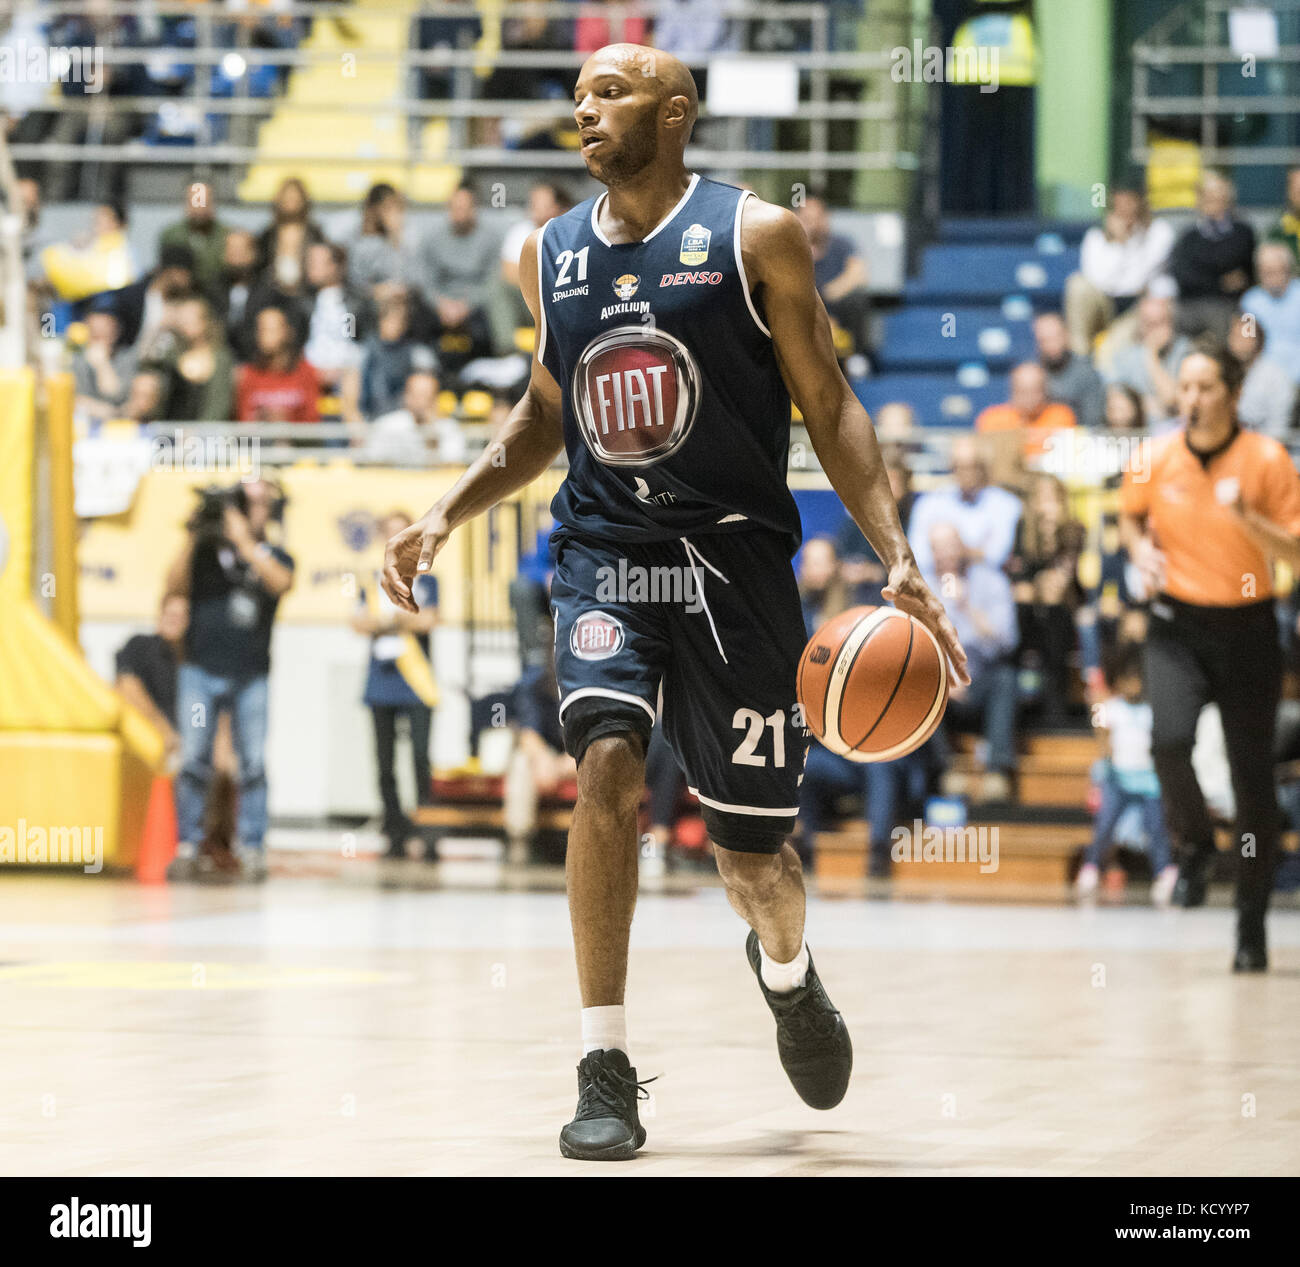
{"x": 604, "y": 1029}
{"x": 781, "y": 978}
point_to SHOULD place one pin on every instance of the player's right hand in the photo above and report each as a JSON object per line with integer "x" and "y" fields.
{"x": 409, "y": 553}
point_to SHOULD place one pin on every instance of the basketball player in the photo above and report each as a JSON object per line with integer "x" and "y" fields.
{"x": 676, "y": 317}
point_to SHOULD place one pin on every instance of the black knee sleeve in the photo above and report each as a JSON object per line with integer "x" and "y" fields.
{"x": 746, "y": 833}
{"x": 596, "y": 717}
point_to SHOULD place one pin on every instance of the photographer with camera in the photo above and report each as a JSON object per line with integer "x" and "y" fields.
{"x": 234, "y": 579}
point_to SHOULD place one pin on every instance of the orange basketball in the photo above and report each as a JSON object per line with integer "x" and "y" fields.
{"x": 873, "y": 684}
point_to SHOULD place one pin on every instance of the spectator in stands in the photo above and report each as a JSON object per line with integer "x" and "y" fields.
{"x": 1044, "y": 570}
{"x": 283, "y": 245}
{"x": 201, "y": 371}
{"x": 1029, "y": 412}
{"x": 97, "y": 260}
{"x": 529, "y": 33}
{"x": 1150, "y": 366}
{"x": 594, "y": 29}
{"x": 539, "y": 764}
{"x": 238, "y": 277}
{"x": 143, "y": 307}
{"x": 1128, "y": 778}
{"x": 400, "y": 688}
{"x": 546, "y": 200}
{"x": 980, "y": 603}
{"x": 1119, "y": 260}
{"x": 458, "y": 262}
{"x": 416, "y": 432}
{"x": 392, "y": 355}
{"x": 234, "y": 578}
{"x": 863, "y": 573}
{"x": 289, "y": 292}
{"x": 821, "y": 587}
{"x": 1287, "y": 229}
{"x": 147, "y": 667}
{"x": 340, "y": 320}
{"x": 1275, "y": 303}
{"x": 146, "y": 398}
{"x": 689, "y": 28}
{"x": 381, "y": 252}
{"x": 1124, "y": 410}
{"x": 439, "y": 32}
{"x": 202, "y": 233}
{"x": 1071, "y": 379}
{"x": 895, "y": 422}
{"x": 984, "y": 514}
{"x": 102, "y": 367}
{"x": 1267, "y": 393}
{"x": 1213, "y": 261}
{"x": 839, "y": 270}
{"x": 279, "y": 384}
{"x": 90, "y": 112}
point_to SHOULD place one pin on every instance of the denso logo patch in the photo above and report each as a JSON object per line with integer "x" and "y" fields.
{"x": 595, "y": 636}
{"x": 690, "y": 279}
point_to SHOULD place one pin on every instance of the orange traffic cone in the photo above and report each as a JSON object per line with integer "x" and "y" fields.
{"x": 158, "y": 844}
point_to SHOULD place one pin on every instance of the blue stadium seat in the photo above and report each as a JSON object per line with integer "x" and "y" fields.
{"x": 970, "y": 273}
{"x": 1020, "y": 229}
{"x": 937, "y": 399}
{"x": 925, "y": 337}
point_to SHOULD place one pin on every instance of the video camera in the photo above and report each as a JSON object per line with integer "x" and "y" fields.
{"x": 208, "y": 519}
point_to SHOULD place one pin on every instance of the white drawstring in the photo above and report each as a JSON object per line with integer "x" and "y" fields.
{"x": 691, "y": 555}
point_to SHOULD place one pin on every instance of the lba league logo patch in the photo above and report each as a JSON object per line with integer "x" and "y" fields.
{"x": 595, "y": 636}
{"x": 695, "y": 245}
{"x": 625, "y": 286}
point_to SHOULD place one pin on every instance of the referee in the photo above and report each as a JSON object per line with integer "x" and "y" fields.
{"x": 1202, "y": 525}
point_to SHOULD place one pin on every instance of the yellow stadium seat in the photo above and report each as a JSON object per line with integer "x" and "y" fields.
{"x": 476, "y": 404}
{"x": 447, "y": 402}
{"x": 525, "y": 340}
{"x": 349, "y": 85}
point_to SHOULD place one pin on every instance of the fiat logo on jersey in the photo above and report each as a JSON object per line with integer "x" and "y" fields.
{"x": 595, "y": 636}
{"x": 625, "y": 286}
{"x": 636, "y": 392}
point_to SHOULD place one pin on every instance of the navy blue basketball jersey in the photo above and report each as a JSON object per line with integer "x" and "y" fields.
{"x": 676, "y": 418}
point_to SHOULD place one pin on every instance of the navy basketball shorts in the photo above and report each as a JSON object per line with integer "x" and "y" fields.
{"x": 709, "y": 629}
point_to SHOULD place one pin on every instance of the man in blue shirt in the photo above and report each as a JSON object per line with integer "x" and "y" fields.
{"x": 1275, "y": 303}
{"x": 839, "y": 271}
{"x": 979, "y": 599}
{"x": 984, "y": 515}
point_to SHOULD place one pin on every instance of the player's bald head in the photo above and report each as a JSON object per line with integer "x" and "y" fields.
{"x": 669, "y": 77}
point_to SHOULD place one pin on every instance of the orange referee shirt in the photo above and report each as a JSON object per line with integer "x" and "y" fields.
{"x": 1210, "y": 559}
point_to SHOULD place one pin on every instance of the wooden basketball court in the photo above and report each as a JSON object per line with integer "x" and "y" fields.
{"x": 355, "y": 1024}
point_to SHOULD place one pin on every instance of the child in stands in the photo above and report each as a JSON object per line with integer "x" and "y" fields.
{"x": 1129, "y": 777}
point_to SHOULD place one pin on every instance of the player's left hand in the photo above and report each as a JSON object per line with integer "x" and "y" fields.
{"x": 909, "y": 593}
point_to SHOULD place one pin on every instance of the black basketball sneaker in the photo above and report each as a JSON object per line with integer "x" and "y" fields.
{"x": 606, "y": 1126}
{"x": 811, "y": 1037}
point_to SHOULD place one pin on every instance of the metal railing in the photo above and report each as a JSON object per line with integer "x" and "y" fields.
{"x": 1196, "y": 36}
{"x": 899, "y": 125}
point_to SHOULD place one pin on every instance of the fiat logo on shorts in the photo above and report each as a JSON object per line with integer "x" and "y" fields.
{"x": 595, "y": 636}
{"x": 636, "y": 393}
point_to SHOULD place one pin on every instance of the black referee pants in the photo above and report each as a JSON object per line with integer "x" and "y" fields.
{"x": 1227, "y": 656}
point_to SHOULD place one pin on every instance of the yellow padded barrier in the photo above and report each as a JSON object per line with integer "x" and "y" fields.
{"x": 17, "y": 444}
